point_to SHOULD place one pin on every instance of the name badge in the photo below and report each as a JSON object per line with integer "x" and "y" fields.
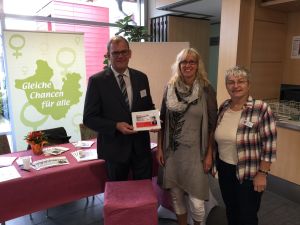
{"x": 248, "y": 123}
{"x": 143, "y": 93}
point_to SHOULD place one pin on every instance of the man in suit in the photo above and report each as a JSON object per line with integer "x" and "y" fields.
{"x": 108, "y": 105}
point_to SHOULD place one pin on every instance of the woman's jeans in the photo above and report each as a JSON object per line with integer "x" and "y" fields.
{"x": 241, "y": 201}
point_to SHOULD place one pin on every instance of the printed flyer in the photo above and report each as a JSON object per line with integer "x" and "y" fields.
{"x": 146, "y": 120}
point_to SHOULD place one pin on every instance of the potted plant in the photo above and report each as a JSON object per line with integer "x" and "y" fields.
{"x": 132, "y": 33}
{"x": 36, "y": 139}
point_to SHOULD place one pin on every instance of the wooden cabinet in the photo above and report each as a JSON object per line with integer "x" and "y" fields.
{"x": 287, "y": 165}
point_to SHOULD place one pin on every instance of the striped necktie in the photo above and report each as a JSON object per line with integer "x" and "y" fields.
{"x": 123, "y": 89}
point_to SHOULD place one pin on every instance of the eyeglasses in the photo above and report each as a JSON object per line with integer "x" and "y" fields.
{"x": 185, "y": 63}
{"x": 238, "y": 82}
{"x": 120, "y": 53}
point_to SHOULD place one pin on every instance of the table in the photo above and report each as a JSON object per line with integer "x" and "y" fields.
{"x": 46, "y": 188}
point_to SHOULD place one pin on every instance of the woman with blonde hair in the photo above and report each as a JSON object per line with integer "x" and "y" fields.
{"x": 188, "y": 112}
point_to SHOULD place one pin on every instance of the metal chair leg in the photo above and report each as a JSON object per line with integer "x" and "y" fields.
{"x": 30, "y": 216}
{"x": 47, "y": 213}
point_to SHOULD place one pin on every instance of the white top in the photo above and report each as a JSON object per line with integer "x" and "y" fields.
{"x": 126, "y": 77}
{"x": 225, "y": 136}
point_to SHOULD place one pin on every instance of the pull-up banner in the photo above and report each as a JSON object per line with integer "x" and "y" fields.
{"x": 46, "y": 82}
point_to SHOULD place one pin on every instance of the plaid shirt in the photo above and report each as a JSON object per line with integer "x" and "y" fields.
{"x": 255, "y": 138}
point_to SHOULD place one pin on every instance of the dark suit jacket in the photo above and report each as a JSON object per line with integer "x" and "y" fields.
{"x": 105, "y": 106}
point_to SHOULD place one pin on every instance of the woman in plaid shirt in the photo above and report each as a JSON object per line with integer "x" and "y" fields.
{"x": 246, "y": 140}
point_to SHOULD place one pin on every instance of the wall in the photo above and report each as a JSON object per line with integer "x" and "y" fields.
{"x": 213, "y": 56}
{"x": 155, "y": 59}
{"x": 209, "y": 53}
{"x": 195, "y": 31}
{"x": 229, "y": 34}
{"x": 95, "y": 38}
{"x": 268, "y": 47}
{"x": 291, "y": 72}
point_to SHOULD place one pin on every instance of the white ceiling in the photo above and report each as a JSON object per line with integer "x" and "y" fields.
{"x": 205, "y": 9}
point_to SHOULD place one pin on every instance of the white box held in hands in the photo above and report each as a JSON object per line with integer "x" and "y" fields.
{"x": 146, "y": 120}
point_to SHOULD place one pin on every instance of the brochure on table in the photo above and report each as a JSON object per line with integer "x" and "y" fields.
{"x": 6, "y": 160}
{"x": 55, "y": 150}
{"x": 8, "y": 173}
{"x": 146, "y": 120}
{"x": 85, "y": 155}
{"x": 49, "y": 162}
{"x": 83, "y": 144}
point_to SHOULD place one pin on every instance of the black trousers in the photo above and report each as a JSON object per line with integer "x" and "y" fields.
{"x": 138, "y": 167}
{"x": 241, "y": 201}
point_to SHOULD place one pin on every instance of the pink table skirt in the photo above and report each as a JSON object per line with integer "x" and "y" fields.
{"x": 38, "y": 190}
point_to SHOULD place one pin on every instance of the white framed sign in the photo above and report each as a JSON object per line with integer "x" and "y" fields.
{"x": 295, "y": 54}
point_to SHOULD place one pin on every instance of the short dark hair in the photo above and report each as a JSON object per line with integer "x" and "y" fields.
{"x": 116, "y": 39}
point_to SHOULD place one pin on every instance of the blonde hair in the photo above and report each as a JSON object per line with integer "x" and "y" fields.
{"x": 201, "y": 74}
{"x": 237, "y": 71}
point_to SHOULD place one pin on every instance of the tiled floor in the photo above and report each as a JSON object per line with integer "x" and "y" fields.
{"x": 77, "y": 213}
{"x": 275, "y": 210}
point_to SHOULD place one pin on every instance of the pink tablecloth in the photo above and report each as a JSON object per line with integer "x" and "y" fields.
{"x": 38, "y": 190}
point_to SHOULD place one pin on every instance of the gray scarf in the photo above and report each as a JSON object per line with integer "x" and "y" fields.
{"x": 180, "y": 95}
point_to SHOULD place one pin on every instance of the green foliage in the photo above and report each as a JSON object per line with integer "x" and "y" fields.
{"x": 132, "y": 33}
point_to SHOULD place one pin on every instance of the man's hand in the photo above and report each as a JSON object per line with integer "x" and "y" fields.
{"x": 125, "y": 128}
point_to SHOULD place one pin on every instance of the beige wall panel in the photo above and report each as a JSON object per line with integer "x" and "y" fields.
{"x": 265, "y": 80}
{"x": 194, "y": 31}
{"x": 291, "y": 74}
{"x": 246, "y": 33}
{"x": 155, "y": 59}
{"x": 268, "y": 42}
{"x": 229, "y": 32}
{"x": 266, "y": 14}
{"x": 287, "y": 165}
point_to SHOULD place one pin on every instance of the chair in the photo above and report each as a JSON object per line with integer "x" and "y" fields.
{"x": 4, "y": 145}
{"x": 87, "y": 133}
{"x": 55, "y": 136}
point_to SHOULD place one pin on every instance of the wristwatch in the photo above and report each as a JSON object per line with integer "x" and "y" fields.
{"x": 265, "y": 172}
